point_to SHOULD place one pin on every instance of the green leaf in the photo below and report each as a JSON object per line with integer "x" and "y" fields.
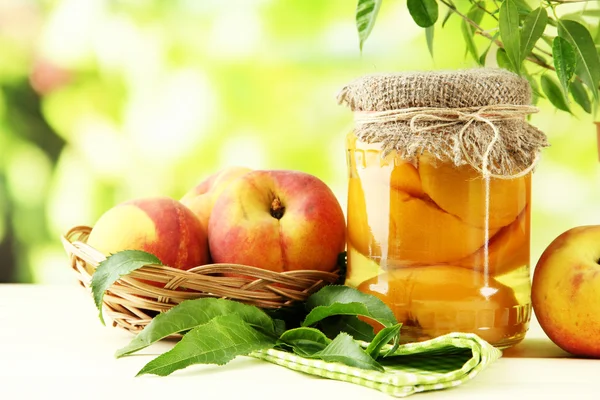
{"x": 359, "y": 330}
{"x": 382, "y": 338}
{"x": 344, "y": 300}
{"x": 588, "y": 61}
{"x": 522, "y": 6}
{"x": 565, "y": 61}
{"x": 535, "y": 87}
{"x": 533, "y": 29}
{"x": 502, "y": 60}
{"x": 423, "y": 12}
{"x": 305, "y": 341}
{"x": 192, "y": 313}
{"x": 509, "y": 32}
{"x": 469, "y": 42}
{"x": 475, "y": 14}
{"x": 580, "y": 95}
{"x": 344, "y": 349}
{"x": 115, "y": 266}
{"x": 429, "y": 32}
{"x": 217, "y": 342}
{"x": 447, "y": 16}
{"x": 366, "y": 14}
{"x": 483, "y": 56}
{"x": 553, "y": 92}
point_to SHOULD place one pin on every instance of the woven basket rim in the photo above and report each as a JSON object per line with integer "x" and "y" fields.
{"x": 132, "y": 300}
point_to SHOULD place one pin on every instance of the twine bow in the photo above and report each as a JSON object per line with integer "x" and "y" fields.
{"x": 447, "y": 117}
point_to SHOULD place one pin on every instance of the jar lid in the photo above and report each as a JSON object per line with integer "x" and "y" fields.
{"x": 476, "y": 87}
{"x": 474, "y": 116}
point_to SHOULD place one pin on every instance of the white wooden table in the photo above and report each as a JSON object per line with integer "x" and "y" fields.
{"x": 52, "y": 345}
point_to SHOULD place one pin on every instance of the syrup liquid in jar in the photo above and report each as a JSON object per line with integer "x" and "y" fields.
{"x": 444, "y": 248}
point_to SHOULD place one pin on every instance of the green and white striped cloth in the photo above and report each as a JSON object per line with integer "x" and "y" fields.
{"x": 444, "y": 362}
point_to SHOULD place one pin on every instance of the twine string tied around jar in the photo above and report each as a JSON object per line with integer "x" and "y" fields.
{"x": 439, "y": 118}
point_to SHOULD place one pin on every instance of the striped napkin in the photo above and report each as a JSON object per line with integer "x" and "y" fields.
{"x": 444, "y": 362}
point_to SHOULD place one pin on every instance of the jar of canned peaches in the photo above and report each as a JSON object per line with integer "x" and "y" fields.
{"x": 439, "y": 200}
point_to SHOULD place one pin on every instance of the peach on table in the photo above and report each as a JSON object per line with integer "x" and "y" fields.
{"x": 564, "y": 291}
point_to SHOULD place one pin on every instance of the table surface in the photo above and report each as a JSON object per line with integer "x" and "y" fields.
{"x": 52, "y": 342}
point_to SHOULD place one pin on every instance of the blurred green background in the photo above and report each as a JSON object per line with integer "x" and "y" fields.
{"x": 104, "y": 101}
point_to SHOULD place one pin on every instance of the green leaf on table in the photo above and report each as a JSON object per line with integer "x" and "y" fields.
{"x": 217, "y": 342}
{"x": 565, "y": 61}
{"x": 366, "y": 14}
{"x": 344, "y": 300}
{"x": 554, "y": 93}
{"x": 588, "y": 60}
{"x": 192, "y": 313}
{"x": 114, "y": 267}
{"x": 359, "y": 330}
{"x": 580, "y": 95}
{"x": 429, "y": 33}
{"x": 305, "y": 341}
{"x": 508, "y": 23}
{"x": 533, "y": 29}
{"x": 423, "y": 12}
{"x": 382, "y": 338}
{"x": 344, "y": 349}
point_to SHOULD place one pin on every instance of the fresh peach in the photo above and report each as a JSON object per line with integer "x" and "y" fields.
{"x": 435, "y": 300}
{"x": 201, "y": 198}
{"x": 158, "y": 225}
{"x": 564, "y": 291}
{"x": 461, "y": 191}
{"x": 279, "y": 220}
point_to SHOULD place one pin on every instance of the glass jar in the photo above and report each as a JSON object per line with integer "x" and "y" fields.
{"x": 446, "y": 251}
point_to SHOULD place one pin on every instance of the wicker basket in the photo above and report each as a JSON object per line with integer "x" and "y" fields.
{"x": 131, "y": 303}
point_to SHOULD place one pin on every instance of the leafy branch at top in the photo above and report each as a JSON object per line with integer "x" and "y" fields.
{"x": 558, "y": 54}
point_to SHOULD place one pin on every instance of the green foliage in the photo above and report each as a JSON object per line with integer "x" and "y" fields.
{"x": 190, "y": 314}
{"x": 366, "y": 14}
{"x": 524, "y": 44}
{"x": 344, "y": 349}
{"x": 343, "y": 300}
{"x": 215, "y": 331}
{"x": 423, "y": 12}
{"x": 114, "y": 267}
{"x": 580, "y": 95}
{"x": 588, "y": 60}
{"x": 509, "y": 32}
{"x": 553, "y": 92}
{"x": 533, "y": 29}
{"x": 383, "y": 337}
{"x": 564, "y": 61}
{"x": 304, "y": 341}
{"x": 218, "y": 341}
